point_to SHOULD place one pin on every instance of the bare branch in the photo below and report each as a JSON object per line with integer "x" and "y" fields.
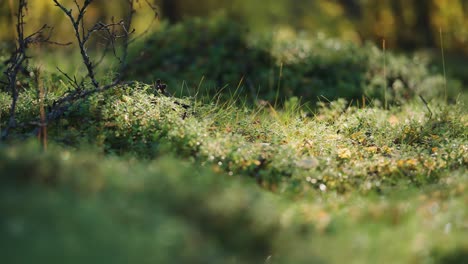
{"x": 18, "y": 59}
{"x": 110, "y": 33}
{"x": 73, "y": 82}
{"x": 155, "y": 10}
{"x": 81, "y": 38}
{"x": 427, "y": 106}
{"x": 62, "y": 105}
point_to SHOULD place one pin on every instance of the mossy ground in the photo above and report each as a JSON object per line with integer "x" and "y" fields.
{"x": 131, "y": 175}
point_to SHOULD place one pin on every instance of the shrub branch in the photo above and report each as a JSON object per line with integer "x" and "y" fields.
{"x": 82, "y": 36}
{"x": 18, "y": 59}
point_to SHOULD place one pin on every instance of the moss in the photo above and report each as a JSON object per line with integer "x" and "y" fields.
{"x": 218, "y": 56}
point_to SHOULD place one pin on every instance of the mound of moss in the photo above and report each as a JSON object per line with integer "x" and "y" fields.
{"x": 342, "y": 148}
{"x": 213, "y": 55}
{"x": 64, "y": 207}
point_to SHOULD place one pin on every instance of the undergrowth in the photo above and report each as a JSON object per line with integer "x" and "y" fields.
{"x": 79, "y": 206}
{"x": 338, "y": 148}
{"x": 207, "y": 56}
{"x": 226, "y": 175}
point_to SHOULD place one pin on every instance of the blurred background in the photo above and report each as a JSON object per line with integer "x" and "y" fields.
{"x": 405, "y": 24}
{"x": 187, "y": 47}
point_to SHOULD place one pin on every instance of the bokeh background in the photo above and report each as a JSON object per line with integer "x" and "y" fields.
{"x": 405, "y": 24}
{"x": 180, "y": 56}
{"x": 319, "y": 154}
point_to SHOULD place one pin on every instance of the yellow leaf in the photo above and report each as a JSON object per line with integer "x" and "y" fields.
{"x": 393, "y": 120}
{"x": 344, "y": 153}
{"x": 372, "y": 149}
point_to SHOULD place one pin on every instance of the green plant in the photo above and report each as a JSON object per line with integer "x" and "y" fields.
{"x": 217, "y": 56}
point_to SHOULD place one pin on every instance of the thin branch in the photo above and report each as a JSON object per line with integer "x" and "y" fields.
{"x": 18, "y": 59}
{"x": 73, "y": 82}
{"x": 81, "y": 38}
{"x": 155, "y": 10}
{"x": 60, "y": 106}
{"x": 107, "y": 46}
{"x": 127, "y": 30}
{"x": 108, "y": 29}
{"x": 427, "y": 106}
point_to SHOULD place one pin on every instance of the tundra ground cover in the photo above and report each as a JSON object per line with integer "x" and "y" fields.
{"x": 135, "y": 175}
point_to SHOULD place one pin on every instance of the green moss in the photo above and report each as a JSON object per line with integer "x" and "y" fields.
{"x": 174, "y": 179}
{"x": 217, "y": 55}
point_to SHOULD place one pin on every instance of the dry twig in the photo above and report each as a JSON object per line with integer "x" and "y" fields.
{"x": 18, "y": 59}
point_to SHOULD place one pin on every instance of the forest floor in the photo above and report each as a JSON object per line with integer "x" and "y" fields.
{"x": 132, "y": 175}
{"x": 166, "y": 180}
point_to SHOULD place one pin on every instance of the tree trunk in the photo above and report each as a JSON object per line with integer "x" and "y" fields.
{"x": 352, "y": 8}
{"x": 423, "y": 22}
{"x": 170, "y": 10}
